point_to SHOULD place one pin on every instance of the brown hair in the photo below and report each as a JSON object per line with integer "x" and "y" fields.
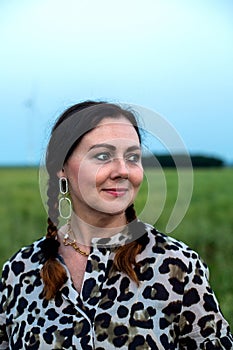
{"x": 67, "y": 132}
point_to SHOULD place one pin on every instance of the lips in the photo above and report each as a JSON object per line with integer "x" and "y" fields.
{"x": 116, "y": 192}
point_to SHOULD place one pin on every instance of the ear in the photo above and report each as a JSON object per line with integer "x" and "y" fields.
{"x": 61, "y": 173}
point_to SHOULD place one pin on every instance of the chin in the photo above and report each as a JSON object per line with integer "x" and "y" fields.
{"x": 114, "y": 211}
{"x": 113, "y": 207}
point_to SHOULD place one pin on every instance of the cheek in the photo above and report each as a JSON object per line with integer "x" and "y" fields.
{"x": 137, "y": 177}
{"x": 89, "y": 176}
{"x": 78, "y": 176}
{"x": 85, "y": 178}
{"x": 99, "y": 174}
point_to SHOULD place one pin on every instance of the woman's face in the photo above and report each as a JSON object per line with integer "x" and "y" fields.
{"x": 104, "y": 171}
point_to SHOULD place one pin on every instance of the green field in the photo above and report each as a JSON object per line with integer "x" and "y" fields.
{"x": 207, "y": 226}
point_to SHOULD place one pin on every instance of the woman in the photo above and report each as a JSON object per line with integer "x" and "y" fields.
{"x": 104, "y": 280}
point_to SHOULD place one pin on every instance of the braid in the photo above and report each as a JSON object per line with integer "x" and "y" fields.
{"x": 130, "y": 213}
{"x": 53, "y": 213}
{"x": 53, "y": 273}
{"x": 125, "y": 256}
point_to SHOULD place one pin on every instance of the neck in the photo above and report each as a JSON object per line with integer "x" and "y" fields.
{"x": 102, "y": 228}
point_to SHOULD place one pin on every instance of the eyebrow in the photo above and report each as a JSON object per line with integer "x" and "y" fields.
{"x": 113, "y": 148}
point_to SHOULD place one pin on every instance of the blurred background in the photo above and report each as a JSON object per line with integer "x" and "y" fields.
{"x": 174, "y": 57}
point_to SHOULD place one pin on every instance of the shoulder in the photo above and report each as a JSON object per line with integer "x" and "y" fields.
{"x": 162, "y": 242}
{"x": 171, "y": 251}
{"x": 26, "y": 259}
{"x": 165, "y": 243}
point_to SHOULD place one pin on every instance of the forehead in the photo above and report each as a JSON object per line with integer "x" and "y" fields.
{"x": 112, "y": 129}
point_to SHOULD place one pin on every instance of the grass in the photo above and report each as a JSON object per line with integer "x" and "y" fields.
{"x": 207, "y": 226}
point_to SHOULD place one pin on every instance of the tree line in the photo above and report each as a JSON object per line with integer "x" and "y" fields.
{"x": 172, "y": 161}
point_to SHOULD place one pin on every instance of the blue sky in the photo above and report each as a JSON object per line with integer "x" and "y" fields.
{"x": 172, "y": 56}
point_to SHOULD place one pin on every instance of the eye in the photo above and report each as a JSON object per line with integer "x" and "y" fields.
{"x": 104, "y": 156}
{"x": 134, "y": 158}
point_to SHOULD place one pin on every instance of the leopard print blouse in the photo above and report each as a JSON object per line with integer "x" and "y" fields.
{"x": 172, "y": 308}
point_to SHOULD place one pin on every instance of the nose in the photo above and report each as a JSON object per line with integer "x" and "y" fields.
{"x": 119, "y": 169}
